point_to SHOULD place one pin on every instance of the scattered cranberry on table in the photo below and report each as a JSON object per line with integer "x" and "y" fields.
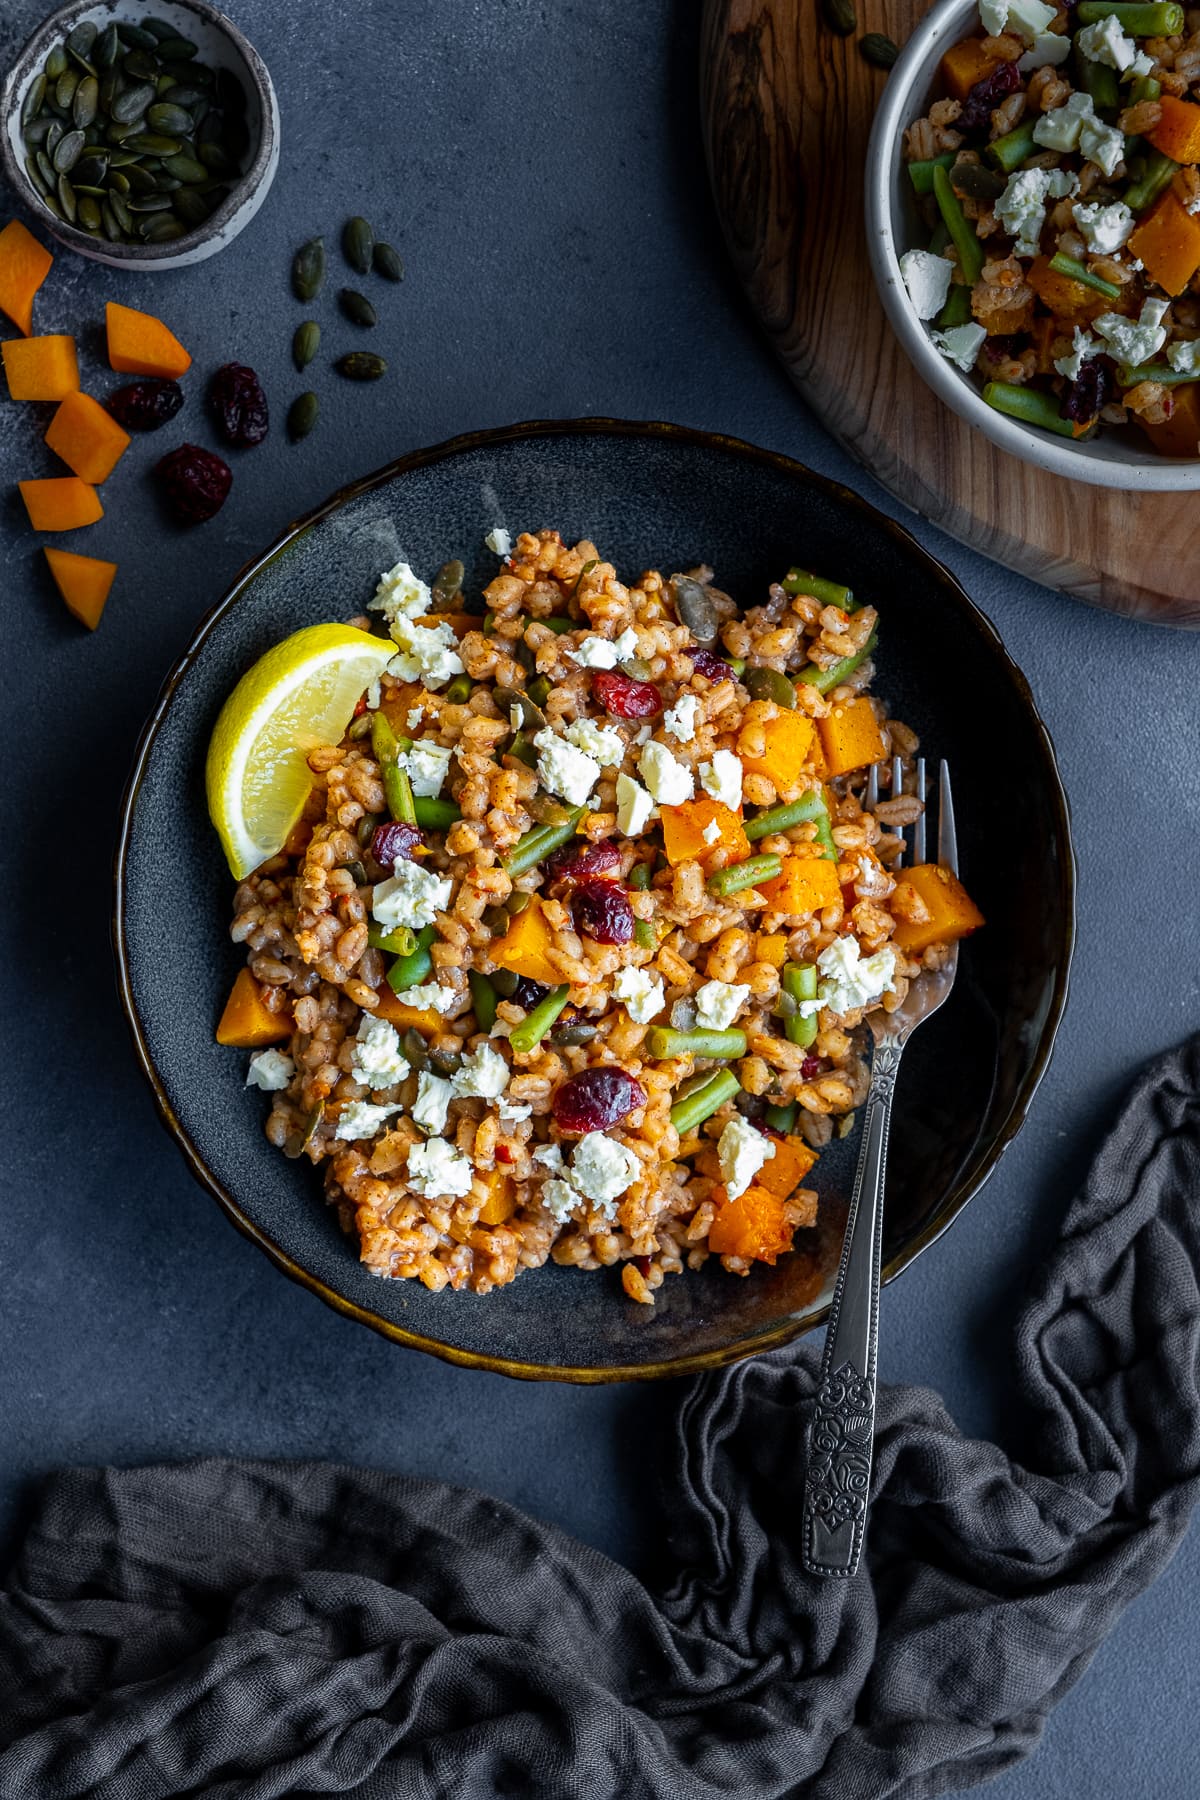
{"x": 196, "y": 483}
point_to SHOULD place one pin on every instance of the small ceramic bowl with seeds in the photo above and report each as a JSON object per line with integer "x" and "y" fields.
{"x": 143, "y": 136}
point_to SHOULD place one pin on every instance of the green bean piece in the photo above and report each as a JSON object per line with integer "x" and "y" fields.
{"x": 825, "y": 680}
{"x": 800, "y": 981}
{"x": 1163, "y": 373}
{"x": 411, "y": 970}
{"x": 557, "y": 625}
{"x": 738, "y": 665}
{"x": 640, "y": 876}
{"x": 1164, "y": 19}
{"x": 523, "y": 750}
{"x": 829, "y": 593}
{"x": 957, "y": 310}
{"x": 1009, "y": 152}
{"x": 782, "y": 1118}
{"x": 1155, "y": 176}
{"x": 1077, "y": 271}
{"x": 1032, "y": 408}
{"x": 459, "y": 691}
{"x": 400, "y": 941}
{"x": 1098, "y": 80}
{"x": 702, "y": 1102}
{"x": 939, "y": 237}
{"x": 921, "y": 173}
{"x": 433, "y": 814}
{"x": 824, "y": 827}
{"x": 643, "y": 934}
{"x": 664, "y": 1043}
{"x": 539, "y": 689}
{"x": 962, "y": 232}
{"x": 398, "y": 789}
{"x": 746, "y": 874}
{"x": 384, "y": 747}
{"x": 1145, "y": 88}
{"x": 782, "y": 818}
{"x": 533, "y": 1027}
{"x": 538, "y": 843}
{"x": 484, "y": 999}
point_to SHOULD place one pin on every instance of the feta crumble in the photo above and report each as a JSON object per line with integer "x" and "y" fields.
{"x": 634, "y": 806}
{"x": 427, "y": 653}
{"x": 669, "y": 781}
{"x": 1083, "y": 346}
{"x": 960, "y": 344}
{"x": 680, "y": 719}
{"x": 436, "y": 1169}
{"x": 430, "y": 1107}
{"x": 499, "y": 540}
{"x": 1059, "y": 129}
{"x": 1104, "y": 229}
{"x": 1135, "y": 341}
{"x": 559, "y": 1199}
{"x": 362, "y": 1120}
{"x": 511, "y": 1113}
{"x": 1029, "y": 18}
{"x": 641, "y": 993}
{"x": 413, "y": 717}
{"x": 1141, "y": 65}
{"x": 602, "y": 1169}
{"x": 1102, "y": 144}
{"x": 412, "y": 897}
{"x": 605, "y": 653}
{"x": 1107, "y": 42}
{"x": 1021, "y": 208}
{"x": 431, "y": 994}
{"x": 1185, "y": 357}
{"x": 741, "y": 1152}
{"x": 711, "y": 833}
{"x": 850, "y": 981}
{"x": 1049, "y": 49}
{"x": 400, "y": 594}
{"x": 564, "y": 770}
{"x": 270, "y": 1070}
{"x": 484, "y": 1073}
{"x": 718, "y": 1004}
{"x": 927, "y": 278}
{"x": 426, "y": 766}
{"x": 600, "y": 741}
{"x": 721, "y": 779}
{"x": 550, "y": 1156}
{"x": 376, "y": 1059}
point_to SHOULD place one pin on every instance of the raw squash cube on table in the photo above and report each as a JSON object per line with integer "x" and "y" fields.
{"x": 140, "y": 344}
{"x": 88, "y": 438}
{"x": 40, "y": 368}
{"x": 62, "y": 503}
{"x": 24, "y": 265}
{"x": 84, "y": 583}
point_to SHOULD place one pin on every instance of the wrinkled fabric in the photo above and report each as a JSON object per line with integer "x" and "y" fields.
{"x": 232, "y": 1628}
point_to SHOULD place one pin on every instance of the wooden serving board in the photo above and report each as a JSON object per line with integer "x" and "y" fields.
{"x": 786, "y": 108}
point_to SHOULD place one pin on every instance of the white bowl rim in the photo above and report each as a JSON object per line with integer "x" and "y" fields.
{"x": 948, "y": 19}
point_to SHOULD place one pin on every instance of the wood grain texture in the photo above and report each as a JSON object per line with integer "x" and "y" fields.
{"x": 786, "y": 108}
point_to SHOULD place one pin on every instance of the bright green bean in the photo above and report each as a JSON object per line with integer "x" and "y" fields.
{"x": 1145, "y": 88}
{"x": 411, "y": 970}
{"x": 702, "y": 1102}
{"x": 1009, "y": 152}
{"x": 1164, "y": 19}
{"x": 782, "y": 818}
{"x": 1077, "y": 271}
{"x": 643, "y": 934}
{"x": 745, "y": 874}
{"x": 962, "y": 232}
{"x": 400, "y": 941}
{"x": 829, "y": 593}
{"x": 459, "y": 691}
{"x": 800, "y": 981}
{"x": 384, "y": 747}
{"x": 1163, "y": 373}
{"x": 533, "y": 1027}
{"x": 435, "y": 815}
{"x": 484, "y": 999}
{"x": 558, "y": 625}
{"x": 662, "y": 1043}
{"x": 539, "y": 842}
{"x": 1032, "y": 408}
{"x": 1155, "y": 176}
{"x": 825, "y": 680}
{"x": 640, "y": 876}
{"x": 921, "y": 173}
{"x": 1098, "y": 80}
{"x": 782, "y": 1118}
{"x": 398, "y": 789}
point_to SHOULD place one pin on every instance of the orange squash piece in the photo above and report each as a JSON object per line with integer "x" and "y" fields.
{"x": 771, "y": 948}
{"x": 62, "y": 503}
{"x": 753, "y": 1226}
{"x": 807, "y": 884}
{"x": 24, "y": 265}
{"x": 1177, "y": 133}
{"x": 40, "y": 368}
{"x": 501, "y": 1202}
{"x": 84, "y": 583}
{"x": 684, "y": 827}
{"x": 964, "y": 64}
{"x": 459, "y": 622}
{"x": 140, "y": 344}
{"x": 1070, "y": 301}
{"x": 425, "y": 1019}
{"x": 788, "y": 748}
{"x": 1180, "y": 435}
{"x": 525, "y": 945}
{"x": 1168, "y": 240}
{"x": 782, "y": 1173}
{"x": 88, "y": 439}
{"x": 952, "y": 912}
{"x": 246, "y": 1023}
{"x": 850, "y": 736}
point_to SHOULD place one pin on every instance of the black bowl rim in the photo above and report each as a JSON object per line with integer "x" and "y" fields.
{"x": 654, "y": 430}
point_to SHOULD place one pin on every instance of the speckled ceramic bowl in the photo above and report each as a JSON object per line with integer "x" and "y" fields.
{"x": 651, "y": 496}
{"x": 221, "y": 46}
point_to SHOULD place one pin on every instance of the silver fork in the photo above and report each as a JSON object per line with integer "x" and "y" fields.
{"x": 841, "y": 1437}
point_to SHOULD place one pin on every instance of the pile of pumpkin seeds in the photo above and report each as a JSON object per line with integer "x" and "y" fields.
{"x": 366, "y": 254}
{"x": 129, "y": 137}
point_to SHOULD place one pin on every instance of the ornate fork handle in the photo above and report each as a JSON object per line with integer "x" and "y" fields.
{"x": 841, "y": 1438}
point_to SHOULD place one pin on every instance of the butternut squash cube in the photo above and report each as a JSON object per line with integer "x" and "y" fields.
{"x": 501, "y": 1202}
{"x": 684, "y": 827}
{"x": 525, "y": 945}
{"x": 425, "y": 1019}
{"x": 771, "y": 948}
{"x": 62, "y": 503}
{"x": 952, "y": 912}
{"x": 88, "y": 439}
{"x": 24, "y": 265}
{"x": 1168, "y": 239}
{"x": 246, "y": 1024}
{"x": 140, "y": 344}
{"x": 788, "y": 747}
{"x": 782, "y": 1173}
{"x": 851, "y": 737}
{"x": 753, "y": 1226}
{"x": 807, "y": 884}
{"x": 40, "y": 368}
{"x": 1177, "y": 133}
{"x": 964, "y": 65}
{"x": 84, "y": 583}
{"x": 1180, "y": 434}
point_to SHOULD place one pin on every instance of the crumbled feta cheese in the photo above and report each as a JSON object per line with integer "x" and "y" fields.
{"x": 564, "y": 770}
{"x": 373, "y": 696}
{"x": 849, "y": 980}
{"x": 499, "y": 540}
{"x": 1083, "y": 346}
{"x": 1135, "y": 341}
{"x": 1106, "y": 42}
{"x": 270, "y": 1070}
{"x": 993, "y": 16}
{"x": 560, "y": 1199}
{"x": 400, "y": 594}
{"x": 711, "y": 833}
{"x": 511, "y": 1113}
{"x": 436, "y": 1169}
{"x": 413, "y": 897}
{"x": 721, "y": 779}
{"x": 634, "y": 806}
{"x": 376, "y": 1059}
{"x": 1059, "y": 129}
{"x": 600, "y": 741}
{"x": 426, "y": 765}
{"x": 669, "y": 781}
{"x": 484, "y": 1073}
{"x": 550, "y": 1156}
{"x": 1105, "y": 229}
{"x": 1141, "y": 65}
{"x": 1049, "y": 49}
{"x": 1021, "y": 209}
{"x": 413, "y": 717}
{"x": 1101, "y": 144}
{"x": 427, "y": 653}
{"x": 605, "y": 653}
{"x": 1028, "y": 18}
{"x": 1184, "y": 358}
{"x": 641, "y": 994}
{"x": 432, "y": 1102}
{"x": 431, "y": 994}
{"x": 625, "y": 644}
{"x": 927, "y": 278}
{"x": 960, "y": 344}
{"x": 718, "y": 1004}
{"x": 602, "y": 1168}
{"x": 516, "y": 718}
{"x": 741, "y": 1152}
{"x": 680, "y": 719}
{"x": 362, "y": 1120}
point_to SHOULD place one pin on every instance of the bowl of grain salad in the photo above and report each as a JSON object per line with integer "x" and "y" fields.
{"x": 536, "y": 1036}
{"x": 1033, "y": 217}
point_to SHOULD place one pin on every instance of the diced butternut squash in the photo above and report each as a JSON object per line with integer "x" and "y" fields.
{"x": 851, "y": 736}
{"x": 1180, "y": 434}
{"x": 807, "y": 884}
{"x": 459, "y": 622}
{"x": 40, "y": 368}
{"x": 88, "y": 439}
{"x": 525, "y": 945}
{"x": 1177, "y": 133}
{"x": 62, "y": 503}
{"x": 425, "y": 1019}
{"x": 246, "y": 1022}
{"x": 788, "y": 747}
{"x": 952, "y": 912}
{"x": 771, "y": 948}
{"x": 501, "y": 1202}
{"x": 140, "y": 344}
{"x": 24, "y": 265}
{"x": 753, "y": 1226}
{"x": 965, "y": 64}
{"x": 84, "y": 583}
{"x": 782, "y": 1173}
{"x": 1070, "y": 301}
{"x": 1168, "y": 240}
{"x": 684, "y": 828}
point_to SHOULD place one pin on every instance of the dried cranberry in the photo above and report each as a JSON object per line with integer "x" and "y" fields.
{"x": 986, "y": 96}
{"x": 812, "y": 1065}
{"x": 602, "y": 912}
{"x": 145, "y": 405}
{"x": 595, "y": 1100}
{"x": 624, "y": 698}
{"x": 709, "y": 664}
{"x": 999, "y": 349}
{"x": 196, "y": 481}
{"x": 1090, "y": 390}
{"x": 239, "y": 404}
{"x": 528, "y": 992}
{"x": 642, "y": 1265}
{"x": 570, "y": 864}
{"x": 393, "y": 843}
{"x": 504, "y": 1154}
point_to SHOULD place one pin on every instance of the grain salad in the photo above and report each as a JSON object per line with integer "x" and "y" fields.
{"x": 569, "y": 952}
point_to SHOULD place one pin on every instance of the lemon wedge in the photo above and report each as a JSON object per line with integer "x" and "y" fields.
{"x": 300, "y": 694}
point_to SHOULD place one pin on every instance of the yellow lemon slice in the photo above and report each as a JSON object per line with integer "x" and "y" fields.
{"x": 300, "y": 694}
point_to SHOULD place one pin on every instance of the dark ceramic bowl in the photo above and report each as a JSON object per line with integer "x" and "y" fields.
{"x": 653, "y": 496}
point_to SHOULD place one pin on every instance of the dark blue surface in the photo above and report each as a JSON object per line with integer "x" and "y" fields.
{"x": 539, "y": 168}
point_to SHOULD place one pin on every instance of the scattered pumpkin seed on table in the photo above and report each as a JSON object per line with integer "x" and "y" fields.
{"x": 878, "y": 50}
{"x": 302, "y": 416}
{"x": 840, "y": 16}
{"x": 386, "y": 262}
{"x": 358, "y": 244}
{"x": 360, "y": 365}
{"x": 306, "y": 343}
{"x": 308, "y": 269}
{"x": 357, "y": 307}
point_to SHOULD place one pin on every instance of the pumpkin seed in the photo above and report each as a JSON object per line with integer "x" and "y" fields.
{"x": 54, "y": 136}
{"x": 510, "y": 699}
{"x": 121, "y": 212}
{"x": 185, "y": 168}
{"x": 415, "y": 1048}
{"x": 35, "y": 175}
{"x": 118, "y": 181}
{"x": 108, "y": 219}
{"x": 360, "y": 365}
{"x": 770, "y": 684}
{"x": 34, "y": 97}
{"x": 37, "y": 130}
{"x": 358, "y": 241}
{"x": 56, "y": 63}
{"x": 176, "y": 49}
{"x": 82, "y": 64}
{"x": 134, "y": 38}
{"x": 167, "y": 184}
{"x": 840, "y": 16}
{"x": 302, "y": 416}
{"x": 130, "y": 105}
{"x": 215, "y": 157}
{"x": 577, "y": 1032}
{"x": 305, "y": 343}
{"x": 694, "y": 605}
{"x": 171, "y": 121}
{"x": 140, "y": 180}
{"x": 308, "y": 269}
{"x": 87, "y": 99}
{"x": 447, "y": 585}
{"x": 47, "y": 171}
{"x": 98, "y": 192}
{"x": 89, "y": 213}
{"x": 152, "y": 143}
{"x": 68, "y": 152}
{"x": 386, "y": 262}
{"x": 356, "y": 307}
{"x": 92, "y": 135}
{"x": 976, "y": 182}
{"x": 149, "y": 203}
{"x": 163, "y": 231}
{"x": 120, "y": 159}
{"x": 191, "y": 207}
{"x": 174, "y": 94}
{"x": 80, "y": 41}
{"x": 64, "y": 90}
{"x": 108, "y": 48}
{"x": 141, "y": 66}
{"x": 90, "y": 170}
{"x": 878, "y": 50}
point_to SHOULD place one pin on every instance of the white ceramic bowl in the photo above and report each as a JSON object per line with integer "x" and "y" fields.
{"x": 220, "y": 45}
{"x": 1115, "y": 458}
